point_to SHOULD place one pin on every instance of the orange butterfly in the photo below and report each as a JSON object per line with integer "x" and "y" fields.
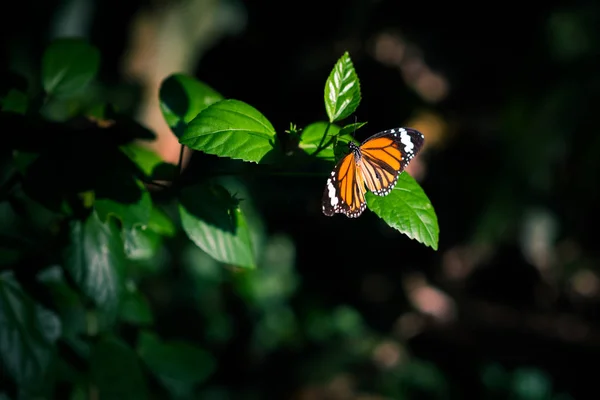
{"x": 376, "y": 164}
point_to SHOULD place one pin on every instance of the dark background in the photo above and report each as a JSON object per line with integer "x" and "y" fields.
{"x": 511, "y": 167}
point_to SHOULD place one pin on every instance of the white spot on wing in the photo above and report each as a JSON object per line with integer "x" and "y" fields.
{"x": 406, "y": 141}
{"x": 331, "y": 192}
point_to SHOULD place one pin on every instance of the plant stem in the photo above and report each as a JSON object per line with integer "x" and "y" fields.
{"x": 155, "y": 183}
{"x": 180, "y": 162}
{"x": 322, "y": 145}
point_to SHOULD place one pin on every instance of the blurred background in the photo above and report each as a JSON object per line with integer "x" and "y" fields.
{"x": 507, "y": 98}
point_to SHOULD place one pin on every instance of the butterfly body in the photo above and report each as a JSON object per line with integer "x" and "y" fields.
{"x": 374, "y": 165}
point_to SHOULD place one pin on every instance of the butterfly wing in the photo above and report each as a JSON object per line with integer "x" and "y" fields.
{"x": 345, "y": 189}
{"x": 385, "y": 155}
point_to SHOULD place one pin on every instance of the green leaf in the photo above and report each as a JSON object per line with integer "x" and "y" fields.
{"x": 313, "y": 134}
{"x": 214, "y": 222}
{"x": 342, "y": 90}
{"x": 252, "y": 217}
{"x": 346, "y": 136}
{"x": 408, "y": 210}
{"x": 27, "y": 334}
{"x": 231, "y": 128}
{"x": 15, "y": 101}
{"x": 69, "y": 307}
{"x": 135, "y": 308}
{"x": 116, "y": 371}
{"x": 144, "y": 158}
{"x": 150, "y": 163}
{"x": 134, "y": 214}
{"x": 177, "y": 364}
{"x": 182, "y": 97}
{"x": 335, "y": 138}
{"x": 95, "y": 259}
{"x": 319, "y": 135}
{"x": 351, "y": 128}
{"x": 68, "y": 66}
{"x": 160, "y": 223}
{"x": 140, "y": 243}
{"x": 165, "y": 172}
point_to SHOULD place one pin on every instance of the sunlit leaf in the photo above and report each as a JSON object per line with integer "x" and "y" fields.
{"x": 96, "y": 260}
{"x": 143, "y": 157}
{"x": 182, "y": 97}
{"x": 178, "y": 365}
{"x": 27, "y": 334}
{"x": 319, "y": 135}
{"x": 350, "y": 129}
{"x": 213, "y": 220}
{"x": 116, "y": 371}
{"x": 150, "y": 163}
{"x": 231, "y": 128}
{"x": 342, "y": 90}
{"x": 408, "y": 210}
{"x": 68, "y": 66}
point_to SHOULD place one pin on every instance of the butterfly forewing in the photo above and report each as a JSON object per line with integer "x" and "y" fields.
{"x": 409, "y": 141}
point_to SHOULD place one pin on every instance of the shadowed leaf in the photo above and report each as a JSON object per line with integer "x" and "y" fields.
{"x": 214, "y": 222}
{"x": 68, "y": 66}
{"x": 27, "y": 334}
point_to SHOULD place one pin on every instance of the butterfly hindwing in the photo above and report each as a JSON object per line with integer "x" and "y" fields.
{"x": 380, "y": 164}
{"x": 345, "y": 189}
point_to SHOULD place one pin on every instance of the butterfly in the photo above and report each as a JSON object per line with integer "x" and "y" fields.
{"x": 374, "y": 165}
